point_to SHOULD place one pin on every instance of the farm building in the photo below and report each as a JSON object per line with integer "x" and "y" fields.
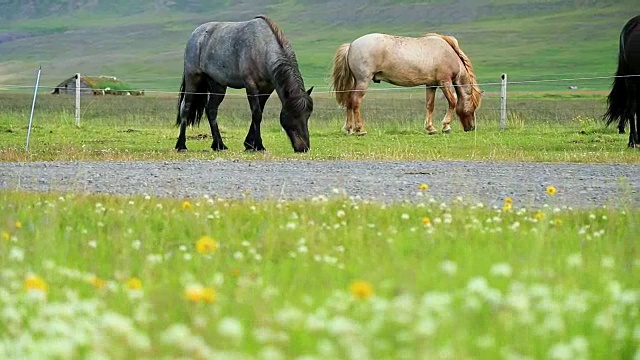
{"x": 96, "y": 85}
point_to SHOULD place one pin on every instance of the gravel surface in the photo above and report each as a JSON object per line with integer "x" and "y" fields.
{"x": 578, "y": 185}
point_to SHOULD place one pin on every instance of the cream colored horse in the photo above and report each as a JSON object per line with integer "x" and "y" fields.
{"x": 433, "y": 60}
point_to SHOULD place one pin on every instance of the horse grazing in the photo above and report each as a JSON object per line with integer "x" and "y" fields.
{"x": 623, "y": 100}
{"x": 433, "y": 60}
{"x": 254, "y": 55}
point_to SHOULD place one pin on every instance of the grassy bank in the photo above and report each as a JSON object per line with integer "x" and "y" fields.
{"x": 124, "y": 277}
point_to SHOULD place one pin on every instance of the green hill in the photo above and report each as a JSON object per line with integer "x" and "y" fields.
{"x": 142, "y": 44}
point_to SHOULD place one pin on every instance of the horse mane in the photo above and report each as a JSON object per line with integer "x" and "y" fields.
{"x": 282, "y": 40}
{"x": 286, "y": 71}
{"x": 628, "y": 27}
{"x": 476, "y": 94}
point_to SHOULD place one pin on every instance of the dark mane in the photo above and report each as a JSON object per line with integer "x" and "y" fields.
{"x": 287, "y": 75}
{"x": 282, "y": 40}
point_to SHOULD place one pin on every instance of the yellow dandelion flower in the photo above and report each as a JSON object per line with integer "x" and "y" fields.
{"x": 34, "y": 282}
{"x": 539, "y": 215}
{"x": 134, "y": 283}
{"x": 193, "y": 293}
{"x": 208, "y": 295}
{"x": 18, "y": 224}
{"x": 426, "y": 221}
{"x": 424, "y": 187}
{"x": 206, "y": 245}
{"x": 198, "y": 294}
{"x": 507, "y": 207}
{"x": 6, "y": 236}
{"x": 361, "y": 289}
{"x": 99, "y": 283}
{"x": 508, "y": 200}
{"x": 557, "y": 222}
{"x": 186, "y": 205}
{"x": 551, "y": 190}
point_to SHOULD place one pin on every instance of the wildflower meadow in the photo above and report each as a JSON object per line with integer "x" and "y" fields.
{"x": 333, "y": 277}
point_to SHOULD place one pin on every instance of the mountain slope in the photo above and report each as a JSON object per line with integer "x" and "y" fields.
{"x": 143, "y": 44}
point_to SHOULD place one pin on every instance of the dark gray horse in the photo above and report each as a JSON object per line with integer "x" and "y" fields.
{"x": 254, "y": 55}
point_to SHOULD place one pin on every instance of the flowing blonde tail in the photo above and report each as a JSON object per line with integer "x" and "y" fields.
{"x": 342, "y": 79}
{"x": 476, "y": 95}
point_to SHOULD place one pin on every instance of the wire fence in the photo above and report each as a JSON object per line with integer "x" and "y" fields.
{"x": 326, "y": 90}
{"x": 568, "y": 100}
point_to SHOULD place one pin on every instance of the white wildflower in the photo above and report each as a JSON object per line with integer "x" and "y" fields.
{"x": 502, "y": 269}
{"x": 449, "y": 267}
{"x": 574, "y": 260}
{"x": 16, "y": 254}
{"x": 231, "y": 328}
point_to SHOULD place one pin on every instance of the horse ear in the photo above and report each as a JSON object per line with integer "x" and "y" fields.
{"x": 310, "y": 90}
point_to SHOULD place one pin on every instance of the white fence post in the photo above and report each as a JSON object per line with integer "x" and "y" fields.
{"x": 33, "y": 106}
{"x": 503, "y": 102}
{"x": 78, "y": 84}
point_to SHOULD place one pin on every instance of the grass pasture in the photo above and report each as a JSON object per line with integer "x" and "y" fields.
{"x": 553, "y": 128}
{"x": 96, "y": 276}
{"x": 329, "y": 278}
{"x": 139, "y": 277}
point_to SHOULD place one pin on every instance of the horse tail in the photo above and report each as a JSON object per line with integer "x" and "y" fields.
{"x": 342, "y": 79}
{"x": 180, "y": 98}
{"x": 617, "y": 102}
{"x": 476, "y": 94}
{"x": 199, "y": 101}
{"x": 617, "y": 107}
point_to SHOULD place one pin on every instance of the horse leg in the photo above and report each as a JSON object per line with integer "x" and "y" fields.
{"x": 349, "y": 123}
{"x": 637, "y": 122}
{"x": 634, "y": 122}
{"x": 187, "y": 111}
{"x": 215, "y": 98}
{"x": 431, "y": 102}
{"x": 450, "y": 94}
{"x": 181, "y": 144}
{"x": 633, "y": 106}
{"x": 257, "y": 101}
{"x": 356, "y": 101}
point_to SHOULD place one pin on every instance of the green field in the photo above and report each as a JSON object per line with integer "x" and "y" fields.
{"x": 329, "y": 278}
{"x": 139, "y": 277}
{"x": 529, "y": 40}
{"x": 128, "y": 128}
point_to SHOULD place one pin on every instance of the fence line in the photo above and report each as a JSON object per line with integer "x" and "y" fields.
{"x": 154, "y": 78}
{"x": 398, "y": 88}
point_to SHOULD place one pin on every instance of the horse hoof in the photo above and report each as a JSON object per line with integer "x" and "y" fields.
{"x": 181, "y": 150}
{"x": 432, "y": 132}
{"x": 360, "y": 133}
{"x": 447, "y": 131}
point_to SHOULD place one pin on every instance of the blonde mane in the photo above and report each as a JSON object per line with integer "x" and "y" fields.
{"x": 476, "y": 94}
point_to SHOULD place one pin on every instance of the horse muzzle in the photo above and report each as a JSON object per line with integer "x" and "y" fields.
{"x": 301, "y": 147}
{"x": 299, "y": 144}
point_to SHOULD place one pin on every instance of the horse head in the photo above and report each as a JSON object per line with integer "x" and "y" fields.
{"x": 469, "y": 97}
{"x": 294, "y": 118}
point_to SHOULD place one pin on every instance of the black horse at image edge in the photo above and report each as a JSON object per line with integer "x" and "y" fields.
{"x": 623, "y": 103}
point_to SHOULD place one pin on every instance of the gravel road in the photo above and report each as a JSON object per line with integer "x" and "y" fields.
{"x": 489, "y": 182}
